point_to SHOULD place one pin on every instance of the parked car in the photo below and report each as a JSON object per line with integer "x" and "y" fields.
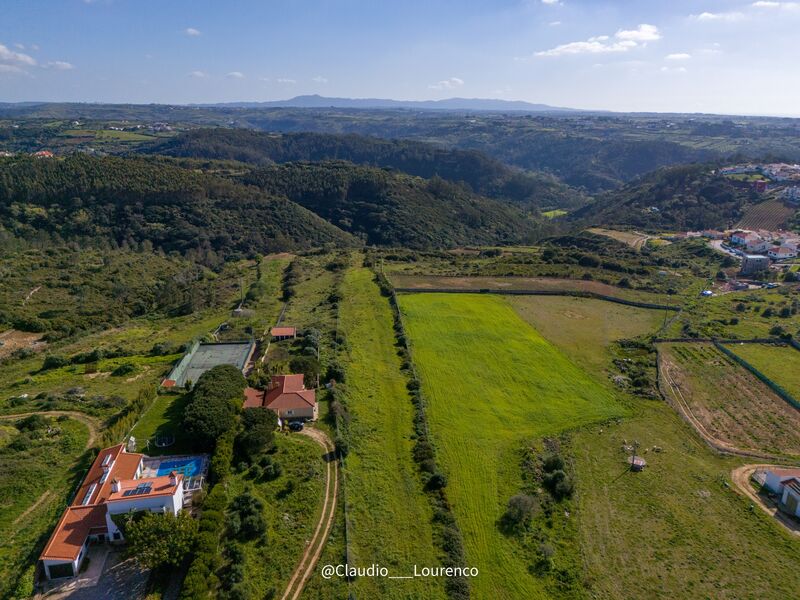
{"x": 296, "y": 425}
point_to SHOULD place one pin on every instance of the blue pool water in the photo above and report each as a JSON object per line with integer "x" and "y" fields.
{"x": 188, "y": 466}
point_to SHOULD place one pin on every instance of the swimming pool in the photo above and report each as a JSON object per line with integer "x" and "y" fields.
{"x": 189, "y": 466}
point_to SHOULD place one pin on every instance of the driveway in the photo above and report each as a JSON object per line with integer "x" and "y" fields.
{"x": 110, "y": 576}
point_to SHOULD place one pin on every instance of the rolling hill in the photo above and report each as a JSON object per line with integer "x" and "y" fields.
{"x": 393, "y": 209}
{"x": 483, "y": 175}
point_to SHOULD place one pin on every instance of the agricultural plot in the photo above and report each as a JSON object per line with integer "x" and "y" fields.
{"x": 492, "y": 382}
{"x": 770, "y": 214}
{"x": 779, "y": 363}
{"x": 726, "y": 403}
{"x": 634, "y": 239}
{"x": 389, "y": 516}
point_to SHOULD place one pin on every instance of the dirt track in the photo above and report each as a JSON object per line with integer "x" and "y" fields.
{"x": 315, "y": 547}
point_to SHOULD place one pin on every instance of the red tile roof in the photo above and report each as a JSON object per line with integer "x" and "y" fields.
{"x": 285, "y": 392}
{"x": 283, "y": 332}
{"x": 87, "y": 512}
{"x": 160, "y": 486}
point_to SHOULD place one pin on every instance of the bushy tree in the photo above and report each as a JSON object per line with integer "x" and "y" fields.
{"x": 160, "y": 540}
{"x": 215, "y": 402}
{"x": 258, "y": 432}
{"x": 246, "y": 517}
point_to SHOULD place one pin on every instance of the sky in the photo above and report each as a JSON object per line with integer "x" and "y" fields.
{"x": 720, "y": 56}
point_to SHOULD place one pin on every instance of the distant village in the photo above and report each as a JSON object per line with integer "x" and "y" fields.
{"x": 763, "y": 177}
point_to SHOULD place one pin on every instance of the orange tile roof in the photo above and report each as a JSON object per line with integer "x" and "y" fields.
{"x": 282, "y": 331}
{"x": 285, "y": 392}
{"x": 72, "y": 530}
{"x": 87, "y": 511}
{"x": 160, "y": 486}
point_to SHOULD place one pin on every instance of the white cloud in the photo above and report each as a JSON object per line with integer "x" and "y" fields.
{"x": 554, "y": 23}
{"x": 780, "y": 5}
{"x": 447, "y": 84}
{"x": 286, "y": 80}
{"x": 643, "y": 33}
{"x": 19, "y": 46}
{"x": 192, "y": 32}
{"x": 729, "y": 17}
{"x": 198, "y": 74}
{"x": 9, "y": 57}
{"x": 10, "y": 69}
{"x": 235, "y": 75}
{"x": 551, "y": 2}
{"x": 58, "y": 65}
{"x": 34, "y": 47}
{"x": 673, "y": 69}
{"x": 320, "y": 79}
{"x": 624, "y": 40}
{"x": 678, "y": 56}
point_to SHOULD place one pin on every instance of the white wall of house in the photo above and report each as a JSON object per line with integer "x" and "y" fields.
{"x": 171, "y": 504}
{"x": 791, "y": 499}
{"x": 307, "y": 412}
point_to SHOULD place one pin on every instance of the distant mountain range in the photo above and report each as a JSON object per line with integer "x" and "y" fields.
{"x": 476, "y": 104}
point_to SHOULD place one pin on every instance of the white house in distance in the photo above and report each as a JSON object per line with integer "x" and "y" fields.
{"x": 114, "y": 485}
{"x": 786, "y": 484}
{"x": 781, "y": 252}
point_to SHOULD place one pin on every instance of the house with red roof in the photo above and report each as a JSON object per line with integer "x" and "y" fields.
{"x": 287, "y": 396}
{"x": 114, "y": 485}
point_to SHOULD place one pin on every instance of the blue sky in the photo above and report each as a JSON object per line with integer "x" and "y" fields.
{"x": 721, "y": 56}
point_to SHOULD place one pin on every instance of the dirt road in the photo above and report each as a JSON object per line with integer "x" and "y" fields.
{"x": 315, "y": 547}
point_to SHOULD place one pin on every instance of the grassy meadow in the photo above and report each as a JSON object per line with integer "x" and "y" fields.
{"x": 492, "y": 381}
{"x": 389, "y": 515}
{"x": 779, "y": 363}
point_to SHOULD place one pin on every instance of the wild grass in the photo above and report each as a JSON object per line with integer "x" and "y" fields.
{"x": 779, "y": 363}
{"x": 390, "y": 516}
{"x": 492, "y": 381}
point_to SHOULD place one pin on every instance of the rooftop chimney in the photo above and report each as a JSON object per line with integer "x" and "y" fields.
{"x": 115, "y": 485}
{"x": 173, "y": 478}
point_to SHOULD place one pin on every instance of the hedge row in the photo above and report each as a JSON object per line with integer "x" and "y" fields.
{"x": 771, "y": 384}
{"x": 448, "y": 535}
{"x": 201, "y": 579}
{"x": 121, "y": 423}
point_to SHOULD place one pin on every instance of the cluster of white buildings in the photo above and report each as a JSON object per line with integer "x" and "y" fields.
{"x": 777, "y": 246}
{"x": 780, "y": 172}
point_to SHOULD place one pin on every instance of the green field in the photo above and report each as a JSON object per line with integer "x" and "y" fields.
{"x": 164, "y": 417}
{"x": 647, "y": 535}
{"x": 389, "y": 515}
{"x": 492, "y": 382}
{"x": 779, "y": 363}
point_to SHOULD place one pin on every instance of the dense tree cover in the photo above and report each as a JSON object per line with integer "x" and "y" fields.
{"x": 130, "y": 201}
{"x": 483, "y": 175}
{"x": 161, "y": 540}
{"x": 214, "y": 404}
{"x": 392, "y": 209}
{"x": 676, "y": 198}
{"x": 258, "y": 432}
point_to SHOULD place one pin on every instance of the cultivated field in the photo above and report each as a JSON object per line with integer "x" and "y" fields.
{"x": 492, "y": 381}
{"x": 779, "y": 363}
{"x": 726, "y": 403}
{"x": 770, "y": 214}
{"x": 389, "y": 515}
{"x": 634, "y": 239}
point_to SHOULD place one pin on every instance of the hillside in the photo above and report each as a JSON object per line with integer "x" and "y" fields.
{"x": 676, "y": 198}
{"x": 126, "y": 202}
{"x": 389, "y": 208}
{"x": 484, "y": 175}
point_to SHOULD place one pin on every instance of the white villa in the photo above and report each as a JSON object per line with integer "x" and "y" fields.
{"x": 114, "y": 485}
{"x": 786, "y": 484}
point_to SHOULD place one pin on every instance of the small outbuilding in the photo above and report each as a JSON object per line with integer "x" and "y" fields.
{"x": 283, "y": 333}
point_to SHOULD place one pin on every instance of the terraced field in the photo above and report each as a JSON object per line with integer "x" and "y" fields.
{"x": 770, "y": 214}
{"x": 726, "y": 403}
{"x": 779, "y": 363}
{"x": 492, "y": 382}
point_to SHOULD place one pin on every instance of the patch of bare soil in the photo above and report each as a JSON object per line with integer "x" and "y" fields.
{"x": 12, "y": 340}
